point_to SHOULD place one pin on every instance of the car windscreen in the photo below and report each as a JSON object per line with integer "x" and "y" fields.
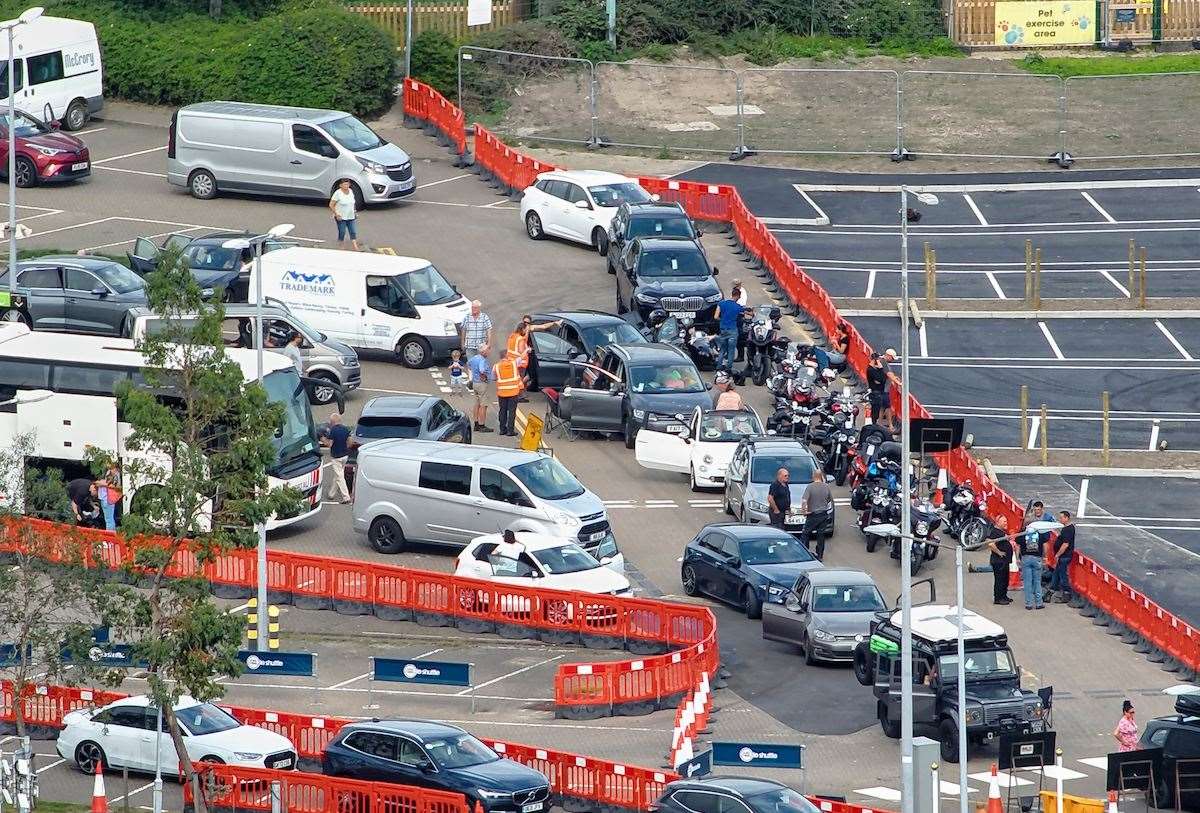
{"x": 27, "y": 126}
{"x": 352, "y": 134}
{"x": 374, "y": 428}
{"x": 205, "y": 718}
{"x": 460, "y": 751}
{"x": 765, "y": 466}
{"x": 212, "y": 257}
{"x": 783, "y": 800}
{"x": 664, "y": 378}
{"x": 676, "y": 225}
{"x": 565, "y": 559}
{"x": 773, "y": 550}
{"x": 548, "y": 479}
{"x": 667, "y": 262}
{"x": 616, "y": 333}
{"x": 426, "y": 286}
{"x": 118, "y": 277}
{"x": 728, "y": 427}
{"x": 611, "y": 195}
{"x": 990, "y": 663}
{"x": 847, "y": 598}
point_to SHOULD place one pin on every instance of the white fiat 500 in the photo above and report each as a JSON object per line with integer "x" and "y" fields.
{"x": 577, "y": 205}
{"x": 121, "y": 734}
{"x": 700, "y": 447}
{"x": 539, "y": 560}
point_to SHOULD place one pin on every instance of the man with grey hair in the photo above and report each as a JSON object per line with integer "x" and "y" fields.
{"x": 475, "y": 330}
{"x": 337, "y": 437}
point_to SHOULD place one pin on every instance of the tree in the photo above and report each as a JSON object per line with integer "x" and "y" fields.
{"x": 214, "y": 9}
{"x": 197, "y": 456}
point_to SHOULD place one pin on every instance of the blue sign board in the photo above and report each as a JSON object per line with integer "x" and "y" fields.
{"x": 758, "y": 755}
{"x": 1126, "y": 15}
{"x": 698, "y": 765}
{"x": 100, "y": 635}
{"x": 10, "y": 654}
{"x": 116, "y": 656}
{"x": 294, "y": 664}
{"x": 441, "y": 673}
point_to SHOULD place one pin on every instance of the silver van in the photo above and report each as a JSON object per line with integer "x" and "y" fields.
{"x": 288, "y": 151}
{"x": 448, "y": 494}
{"x": 325, "y": 359}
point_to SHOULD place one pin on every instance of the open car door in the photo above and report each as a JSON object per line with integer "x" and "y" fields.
{"x": 144, "y": 257}
{"x": 665, "y": 451}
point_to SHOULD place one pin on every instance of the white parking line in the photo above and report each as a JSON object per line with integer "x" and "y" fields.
{"x": 1082, "y": 507}
{"x": 1153, "y": 437}
{"x": 1124, "y": 291}
{"x": 975, "y": 209}
{"x": 89, "y": 132}
{"x": 133, "y": 792}
{"x": 1034, "y": 426}
{"x": 442, "y": 181}
{"x": 54, "y": 764}
{"x": 1098, "y": 207}
{"x": 870, "y": 284}
{"x": 135, "y": 172}
{"x": 1053, "y": 344}
{"x": 1171, "y": 338}
{"x": 148, "y": 237}
{"x": 924, "y": 342}
{"x": 514, "y": 673}
{"x": 995, "y": 285}
{"x": 128, "y": 155}
{"x": 348, "y": 681}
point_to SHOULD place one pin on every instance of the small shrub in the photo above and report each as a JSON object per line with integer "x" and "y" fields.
{"x": 657, "y": 52}
{"x": 435, "y": 62}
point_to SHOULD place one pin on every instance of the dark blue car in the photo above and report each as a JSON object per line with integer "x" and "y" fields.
{"x": 436, "y": 756}
{"x": 744, "y": 565}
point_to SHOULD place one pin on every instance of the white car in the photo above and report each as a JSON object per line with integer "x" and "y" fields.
{"x": 541, "y": 560}
{"x": 701, "y": 447}
{"x": 121, "y": 734}
{"x": 577, "y": 205}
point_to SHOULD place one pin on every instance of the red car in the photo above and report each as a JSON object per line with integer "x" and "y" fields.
{"x": 44, "y": 154}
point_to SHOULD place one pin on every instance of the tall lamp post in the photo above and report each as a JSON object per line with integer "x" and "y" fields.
{"x": 907, "y": 779}
{"x": 256, "y": 243}
{"x": 27, "y": 16}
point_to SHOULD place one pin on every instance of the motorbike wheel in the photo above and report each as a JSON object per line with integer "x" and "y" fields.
{"x": 918, "y": 558}
{"x": 931, "y": 553}
{"x": 843, "y": 469}
{"x": 872, "y": 541}
{"x": 973, "y": 536}
{"x": 760, "y": 374}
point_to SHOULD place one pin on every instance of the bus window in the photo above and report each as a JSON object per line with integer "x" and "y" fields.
{"x": 87, "y": 380}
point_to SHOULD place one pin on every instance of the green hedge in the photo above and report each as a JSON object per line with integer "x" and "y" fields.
{"x": 309, "y": 53}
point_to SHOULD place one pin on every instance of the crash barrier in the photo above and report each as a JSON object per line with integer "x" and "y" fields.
{"x": 426, "y": 107}
{"x": 43, "y": 707}
{"x": 503, "y": 167}
{"x": 647, "y": 627}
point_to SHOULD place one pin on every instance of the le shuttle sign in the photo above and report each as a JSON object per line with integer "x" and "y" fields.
{"x": 758, "y": 755}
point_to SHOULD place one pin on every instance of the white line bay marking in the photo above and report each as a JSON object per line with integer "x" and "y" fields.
{"x": 128, "y": 155}
{"x": 1098, "y": 207}
{"x": 996, "y": 285}
{"x": 1034, "y": 426}
{"x": 1053, "y": 344}
{"x": 1082, "y": 507}
{"x": 975, "y": 209}
{"x": 1171, "y": 338}
{"x": 1124, "y": 291}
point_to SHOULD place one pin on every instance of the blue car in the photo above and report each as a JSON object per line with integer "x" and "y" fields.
{"x": 744, "y": 565}
{"x": 435, "y": 756}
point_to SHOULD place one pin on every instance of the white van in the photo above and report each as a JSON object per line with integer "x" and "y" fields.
{"x": 368, "y": 301}
{"x": 57, "y": 65}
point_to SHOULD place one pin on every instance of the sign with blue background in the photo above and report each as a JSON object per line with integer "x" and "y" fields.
{"x": 758, "y": 755}
{"x": 440, "y": 673}
{"x": 10, "y": 654}
{"x": 115, "y": 656}
{"x": 293, "y": 664}
{"x": 698, "y": 765}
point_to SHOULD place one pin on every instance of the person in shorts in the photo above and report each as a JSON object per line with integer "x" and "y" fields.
{"x": 458, "y": 372}
{"x": 342, "y": 205}
{"x": 480, "y": 370}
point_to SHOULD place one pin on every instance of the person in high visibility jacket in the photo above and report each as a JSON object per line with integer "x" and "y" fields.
{"x": 509, "y": 385}
{"x": 518, "y": 341}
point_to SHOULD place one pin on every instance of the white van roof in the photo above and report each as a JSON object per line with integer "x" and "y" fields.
{"x": 268, "y": 112}
{"x": 44, "y": 33}
{"x": 402, "y": 449}
{"x": 345, "y": 262}
{"x": 939, "y": 622}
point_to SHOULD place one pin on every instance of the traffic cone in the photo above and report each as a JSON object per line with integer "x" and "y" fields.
{"x": 1014, "y": 575}
{"x": 1112, "y": 801}
{"x": 994, "y": 805}
{"x": 99, "y": 800}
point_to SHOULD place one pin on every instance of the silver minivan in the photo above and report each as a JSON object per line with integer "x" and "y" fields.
{"x": 448, "y": 494}
{"x": 288, "y": 151}
{"x": 327, "y": 360}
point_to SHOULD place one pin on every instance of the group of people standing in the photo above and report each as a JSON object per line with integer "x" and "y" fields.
{"x": 1029, "y": 547}
{"x": 96, "y": 502}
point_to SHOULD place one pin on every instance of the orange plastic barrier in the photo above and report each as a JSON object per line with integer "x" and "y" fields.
{"x": 423, "y": 103}
{"x": 511, "y": 169}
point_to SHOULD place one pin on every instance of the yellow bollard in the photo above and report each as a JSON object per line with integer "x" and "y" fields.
{"x": 252, "y": 620}
{"x": 1142, "y": 281}
{"x": 1028, "y": 271}
{"x": 1037, "y": 280}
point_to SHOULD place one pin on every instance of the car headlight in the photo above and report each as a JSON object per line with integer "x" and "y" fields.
{"x": 822, "y": 635}
{"x": 206, "y": 292}
{"x": 922, "y": 528}
{"x": 645, "y": 299}
{"x": 449, "y": 328}
{"x": 247, "y": 756}
{"x": 974, "y": 716}
{"x": 639, "y": 414}
{"x": 713, "y": 298}
{"x": 707, "y": 458}
{"x": 48, "y": 150}
{"x": 756, "y": 506}
{"x": 1035, "y": 711}
{"x": 348, "y": 361}
{"x": 371, "y": 166}
{"x": 563, "y": 518}
{"x": 484, "y": 793}
{"x": 775, "y": 591}
{"x": 607, "y": 548}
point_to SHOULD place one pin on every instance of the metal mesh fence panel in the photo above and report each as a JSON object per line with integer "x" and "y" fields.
{"x": 800, "y": 110}
{"x": 666, "y": 106}
{"x": 527, "y": 96}
{"x": 981, "y": 115}
{"x": 1137, "y": 116}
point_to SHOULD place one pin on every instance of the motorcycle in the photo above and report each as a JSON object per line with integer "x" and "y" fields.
{"x": 765, "y": 347}
{"x": 924, "y": 519}
{"x": 837, "y": 448}
{"x": 791, "y": 419}
{"x": 880, "y": 517}
{"x": 964, "y": 514}
{"x": 683, "y": 333}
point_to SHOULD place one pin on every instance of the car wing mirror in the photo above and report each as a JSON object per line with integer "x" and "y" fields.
{"x": 425, "y": 765}
{"x": 99, "y": 290}
{"x": 716, "y": 271}
{"x": 582, "y": 204}
{"x": 735, "y": 561}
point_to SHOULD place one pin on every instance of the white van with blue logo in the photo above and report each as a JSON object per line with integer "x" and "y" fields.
{"x": 368, "y": 301}
{"x": 57, "y": 65}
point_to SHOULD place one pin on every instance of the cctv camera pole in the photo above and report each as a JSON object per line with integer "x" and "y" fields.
{"x": 907, "y": 780}
{"x": 408, "y": 42}
{"x": 158, "y": 786}
{"x": 262, "y": 527}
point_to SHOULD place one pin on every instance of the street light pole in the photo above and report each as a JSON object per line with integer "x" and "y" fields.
{"x": 27, "y": 16}
{"x": 962, "y": 679}
{"x": 907, "y": 784}
{"x": 158, "y": 783}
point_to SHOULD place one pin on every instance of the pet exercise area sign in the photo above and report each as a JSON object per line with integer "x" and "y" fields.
{"x": 1031, "y": 23}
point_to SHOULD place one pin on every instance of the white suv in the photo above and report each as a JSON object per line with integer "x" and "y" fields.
{"x": 577, "y": 205}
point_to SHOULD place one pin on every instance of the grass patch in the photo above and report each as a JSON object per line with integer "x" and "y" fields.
{"x": 1110, "y": 65}
{"x": 34, "y": 253}
{"x": 770, "y": 46}
{"x": 44, "y": 806}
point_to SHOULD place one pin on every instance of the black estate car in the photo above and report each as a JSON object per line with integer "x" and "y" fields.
{"x": 1178, "y": 735}
{"x": 415, "y": 417}
{"x": 670, "y": 274}
{"x": 731, "y": 794}
{"x": 436, "y": 756}
{"x": 651, "y": 219}
{"x": 580, "y": 334}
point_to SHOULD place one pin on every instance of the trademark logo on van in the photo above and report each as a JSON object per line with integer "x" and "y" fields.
{"x": 321, "y": 284}
{"x": 84, "y": 60}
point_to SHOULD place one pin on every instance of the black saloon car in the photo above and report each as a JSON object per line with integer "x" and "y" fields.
{"x": 673, "y": 275}
{"x": 652, "y": 219}
{"x": 436, "y": 756}
{"x": 214, "y": 267}
{"x": 731, "y": 794}
{"x": 581, "y": 333}
{"x": 744, "y": 565}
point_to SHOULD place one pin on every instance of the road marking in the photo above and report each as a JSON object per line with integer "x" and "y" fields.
{"x": 1053, "y": 344}
{"x": 148, "y": 237}
{"x": 89, "y": 132}
{"x": 135, "y": 172}
{"x": 497, "y": 205}
{"x": 870, "y": 284}
{"x": 1104, "y": 273}
{"x": 133, "y": 792}
{"x": 821, "y": 219}
{"x": 922, "y": 339}
{"x": 128, "y": 155}
{"x": 1082, "y": 507}
{"x": 1034, "y": 426}
{"x": 975, "y": 209}
{"x": 1096, "y": 762}
{"x": 51, "y": 765}
{"x": 1034, "y": 186}
{"x": 513, "y": 673}
{"x": 348, "y": 681}
{"x": 1017, "y": 229}
{"x": 427, "y": 654}
{"x": 1153, "y": 437}
{"x": 1171, "y": 338}
{"x": 443, "y": 180}
{"x": 995, "y": 285}
{"x": 1098, "y": 207}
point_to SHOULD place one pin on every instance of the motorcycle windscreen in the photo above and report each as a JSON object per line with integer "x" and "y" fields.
{"x": 663, "y": 451}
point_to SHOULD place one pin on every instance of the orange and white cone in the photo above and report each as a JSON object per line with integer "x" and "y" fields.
{"x": 994, "y": 805}
{"x": 99, "y": 799}
{"x": 1112, "y": 801}
{"x": 1014, "y": 575}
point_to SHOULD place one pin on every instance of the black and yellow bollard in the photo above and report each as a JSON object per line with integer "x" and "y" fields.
{"x": 252, "y": 621}
{"x": 272, "y": 627}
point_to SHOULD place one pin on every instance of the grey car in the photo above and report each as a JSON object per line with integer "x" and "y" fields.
{"x": 826, "y": 614}
{"x": 75, "y": 294}
{"x": 752, "y": 470}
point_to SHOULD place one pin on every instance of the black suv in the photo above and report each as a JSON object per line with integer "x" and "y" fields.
{"x": 731, "y": 794}
{"x": 673, "y": 275}
{"x": 414, "y": 417}
{"x": 652, "y": 219}
{"x": 1178, "y": 735}
{"x": 581, "y": 333}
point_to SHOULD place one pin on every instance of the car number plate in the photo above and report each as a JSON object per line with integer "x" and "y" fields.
{"x": 531, "y": 808}
{"x": 281, "y": 763}
{"x": 79, "y": 166}
{"x": 596, "y": 537}
{"x": 795, "y": 519}
{"x": 676, "y": 429}
{"x": 681, "y": 314}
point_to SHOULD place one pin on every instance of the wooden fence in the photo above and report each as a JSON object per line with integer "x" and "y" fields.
{"x": 449, "y": 18}
{"x": 973, "y": 22}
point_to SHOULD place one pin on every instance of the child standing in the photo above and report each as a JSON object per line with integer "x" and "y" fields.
{"x": 458, "y": 373}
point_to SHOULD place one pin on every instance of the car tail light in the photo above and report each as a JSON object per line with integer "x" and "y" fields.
{"x": 171, "y": 135}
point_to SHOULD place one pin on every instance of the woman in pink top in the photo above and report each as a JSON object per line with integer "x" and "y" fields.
{"x": 1126, "y": 732}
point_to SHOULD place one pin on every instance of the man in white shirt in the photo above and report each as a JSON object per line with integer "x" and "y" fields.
{"x": 292, "y": 351}
{"x": 342, "y": 206}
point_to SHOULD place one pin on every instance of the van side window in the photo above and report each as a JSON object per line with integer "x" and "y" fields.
{"x": 498, "y": 486}
{"x": 446, "y": 477}
{"x": 387, "y": 299}
{"x": 45, "y": 68}
{"x": 19, "y": 70}
{"x": 307, "y": 139}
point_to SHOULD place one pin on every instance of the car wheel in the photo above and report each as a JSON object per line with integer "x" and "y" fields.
{"x": 89, "y": 756}
{"x": 76, "y": 116}
{"x": 809, "y": 658}
{"x": 728, "y": 507}
{"x": 891, "y": 728}
{"x": 631, "y": 432}
{"x": 948, "y": 741}
{"x": 15, "y": 315}
{"x": 600, "y": 241}
{"x": 203, "y": 185}
{"x": 324, "y": 392}
{"x": 26, "y": 173}
{"x": 533, "y": 226}
{"x": 688, "y": 576}
{"x": 621, "y": 309}
{"x": 751, "y": 604}
{"x": 695, "y": 485}
{"x": 386, "y": 535}
{"x": 864, "y": 666}
{"x": 414, "y": 352}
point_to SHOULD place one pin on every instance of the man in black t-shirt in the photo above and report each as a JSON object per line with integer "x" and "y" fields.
{"x": 779, "y": 498}
{"x": 1000, "y": 546}
{"x": 1064, "y": 552}
{"x": 82, "y": 491}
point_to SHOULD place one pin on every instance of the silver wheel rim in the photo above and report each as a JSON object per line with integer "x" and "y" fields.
{"x": 24, "y": 174}
{"x": 324, "y": 394}
{"x": 413, "y": 353}
{"x": 689, "y": 580}
{"x": 14, "y": 316}
{"x": 75, "y": 118}
{"x": 89, "y": 754}
{"x": 202, "y": 185}
{"x": 533, "y": 226}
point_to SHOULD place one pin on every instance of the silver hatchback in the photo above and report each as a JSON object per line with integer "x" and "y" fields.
{"x": 826, "y": 614}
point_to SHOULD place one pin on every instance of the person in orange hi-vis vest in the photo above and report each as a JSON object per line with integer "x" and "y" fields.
{"x": 518, "y": 343}
{"x": 509, "y": 384}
